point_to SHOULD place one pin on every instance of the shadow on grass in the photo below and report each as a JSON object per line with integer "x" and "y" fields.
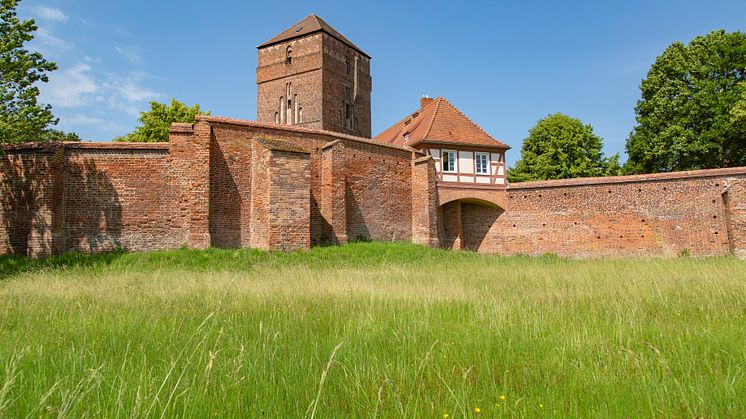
{"x": 15, "y": 264}
{"x": 213, "y": 259}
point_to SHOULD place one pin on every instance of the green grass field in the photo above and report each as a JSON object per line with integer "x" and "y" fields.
{"x": 370, "y": 330}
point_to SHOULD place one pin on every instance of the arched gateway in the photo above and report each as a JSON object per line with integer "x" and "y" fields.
{"x": 469, "y": 169}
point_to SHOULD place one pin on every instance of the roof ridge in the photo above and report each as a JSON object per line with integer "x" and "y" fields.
{"x": 435, "y": 113}
{"x": 475, "y": 124}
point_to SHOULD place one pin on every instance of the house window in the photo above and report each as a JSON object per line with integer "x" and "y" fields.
{"x": 481, "y": 163}
{"x": 449, "y": 161}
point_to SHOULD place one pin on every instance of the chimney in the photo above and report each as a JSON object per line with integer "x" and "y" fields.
{"x": 425, "y": 101}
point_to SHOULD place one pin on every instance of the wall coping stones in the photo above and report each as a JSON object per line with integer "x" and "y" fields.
{"x": 297, "y": 129}
{"x": 181, "y": 127}
{"x": 653, "y": 177}
{"x": 52, "y": 146}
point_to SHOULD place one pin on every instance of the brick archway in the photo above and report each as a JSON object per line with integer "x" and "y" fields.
{"x": 464, "y": 223}
{"x": 491, "y": 197}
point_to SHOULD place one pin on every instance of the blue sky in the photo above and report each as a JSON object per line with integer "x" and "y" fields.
{"x": 505, "y": 64}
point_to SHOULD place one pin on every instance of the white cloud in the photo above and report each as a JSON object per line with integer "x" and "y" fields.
{"x": 105, "y": 124}
{"x": 123, "y": 32}
{"x": 131, "y": 54}
{"x": 47, "y": 39}
{"x": 128, "y": 90}
{"x": 82, "y": 120}
{"x": 72, "y": 87}
{"x": 50, "y": 13}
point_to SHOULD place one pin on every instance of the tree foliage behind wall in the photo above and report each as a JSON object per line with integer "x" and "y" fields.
{"x": 157, "y": 121}
{"x": 692, "y": 114}
{"x": 22, "y": 118}
{"x": 560, "y": 147}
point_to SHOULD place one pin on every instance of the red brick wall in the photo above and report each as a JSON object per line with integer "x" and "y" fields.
{"x": 424, "y": 202}
{"x": 230, "y": 187}
{"x": 121, "y": 198}
{"x": 289, "y": 201}
{"x": 281, "y": 196}
{"x": 89, "y": 197}
{"x": 734, "y": 200}
{"x": 29, "y": 197}
{"x": 259, "y": 223}
{"x": 235, "y": 183}
{"x": 624, "y": 216}
{"x": 377, "y": 192}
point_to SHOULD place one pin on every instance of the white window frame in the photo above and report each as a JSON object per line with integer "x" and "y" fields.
{"x": 486, "y": 167}
{"x": 443, "y": 160}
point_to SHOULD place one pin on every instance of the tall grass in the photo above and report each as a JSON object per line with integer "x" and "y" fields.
{"x": 372, "y": 330}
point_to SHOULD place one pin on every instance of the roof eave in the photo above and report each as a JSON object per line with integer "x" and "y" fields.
{"x": 456, "y": 143}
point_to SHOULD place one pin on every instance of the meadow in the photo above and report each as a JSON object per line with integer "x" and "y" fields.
{"x": 370, "y": 330}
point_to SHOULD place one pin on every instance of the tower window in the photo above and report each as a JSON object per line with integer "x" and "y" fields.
{"x": 348, "y": 111}
{"x": 347, "y": 65}
{"x": 289, "y": 55}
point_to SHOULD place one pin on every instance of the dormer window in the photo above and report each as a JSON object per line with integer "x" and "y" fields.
{"x": 289, "y": 55}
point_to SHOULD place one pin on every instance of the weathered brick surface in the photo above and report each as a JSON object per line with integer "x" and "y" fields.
{"x": 30, "y": 194}
{"x": 339, "y": 88}
{"x": 734, "y": 200}
{"x": 232, "y": 183}
{"x": 332, "y": 203}
{"x": 424, "y": 202}
{"x": 625, "y": 216}
{"x": 88, "y": 197}
{"x": 319, "y": 82}
{"x": 120, "y": 199}
{"x": 289, "y": 200}
{"x": 377, "y": 187}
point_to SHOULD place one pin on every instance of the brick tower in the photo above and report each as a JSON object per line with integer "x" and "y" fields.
{"x": 312, "y": 76}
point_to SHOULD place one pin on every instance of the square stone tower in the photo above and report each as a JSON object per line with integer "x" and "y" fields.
{"x": 312, "y": 76}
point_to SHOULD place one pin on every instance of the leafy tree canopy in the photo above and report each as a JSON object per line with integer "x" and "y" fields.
{"x": 693, "y": 106}
{"x": 157, "y": 122}
{"x": 560, "y": 147}
{"x": 22, "y": 118}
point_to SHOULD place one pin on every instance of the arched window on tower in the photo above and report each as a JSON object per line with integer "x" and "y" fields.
{"x": 300, "y": 115}
{"x": 282, "y": 109}
{"x": 277, "y": 117}
{"x": 288, "y": 105}
{"x": 295, "y": 109}
{"x": 289, "y": 54}
{"x": 347, "y": 65}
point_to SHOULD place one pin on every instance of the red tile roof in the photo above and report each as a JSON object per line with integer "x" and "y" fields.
{"x": 310, "y": 24}
{"x": 438, "y": 122}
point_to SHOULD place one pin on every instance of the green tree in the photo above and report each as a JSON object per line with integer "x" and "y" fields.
{"x": 688, "y": 116}
{"x": 157, "y": 122}
{"x": 738, "y": 113}
{"x": 560, "y": 147}
{"x": 22, "y": 118}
